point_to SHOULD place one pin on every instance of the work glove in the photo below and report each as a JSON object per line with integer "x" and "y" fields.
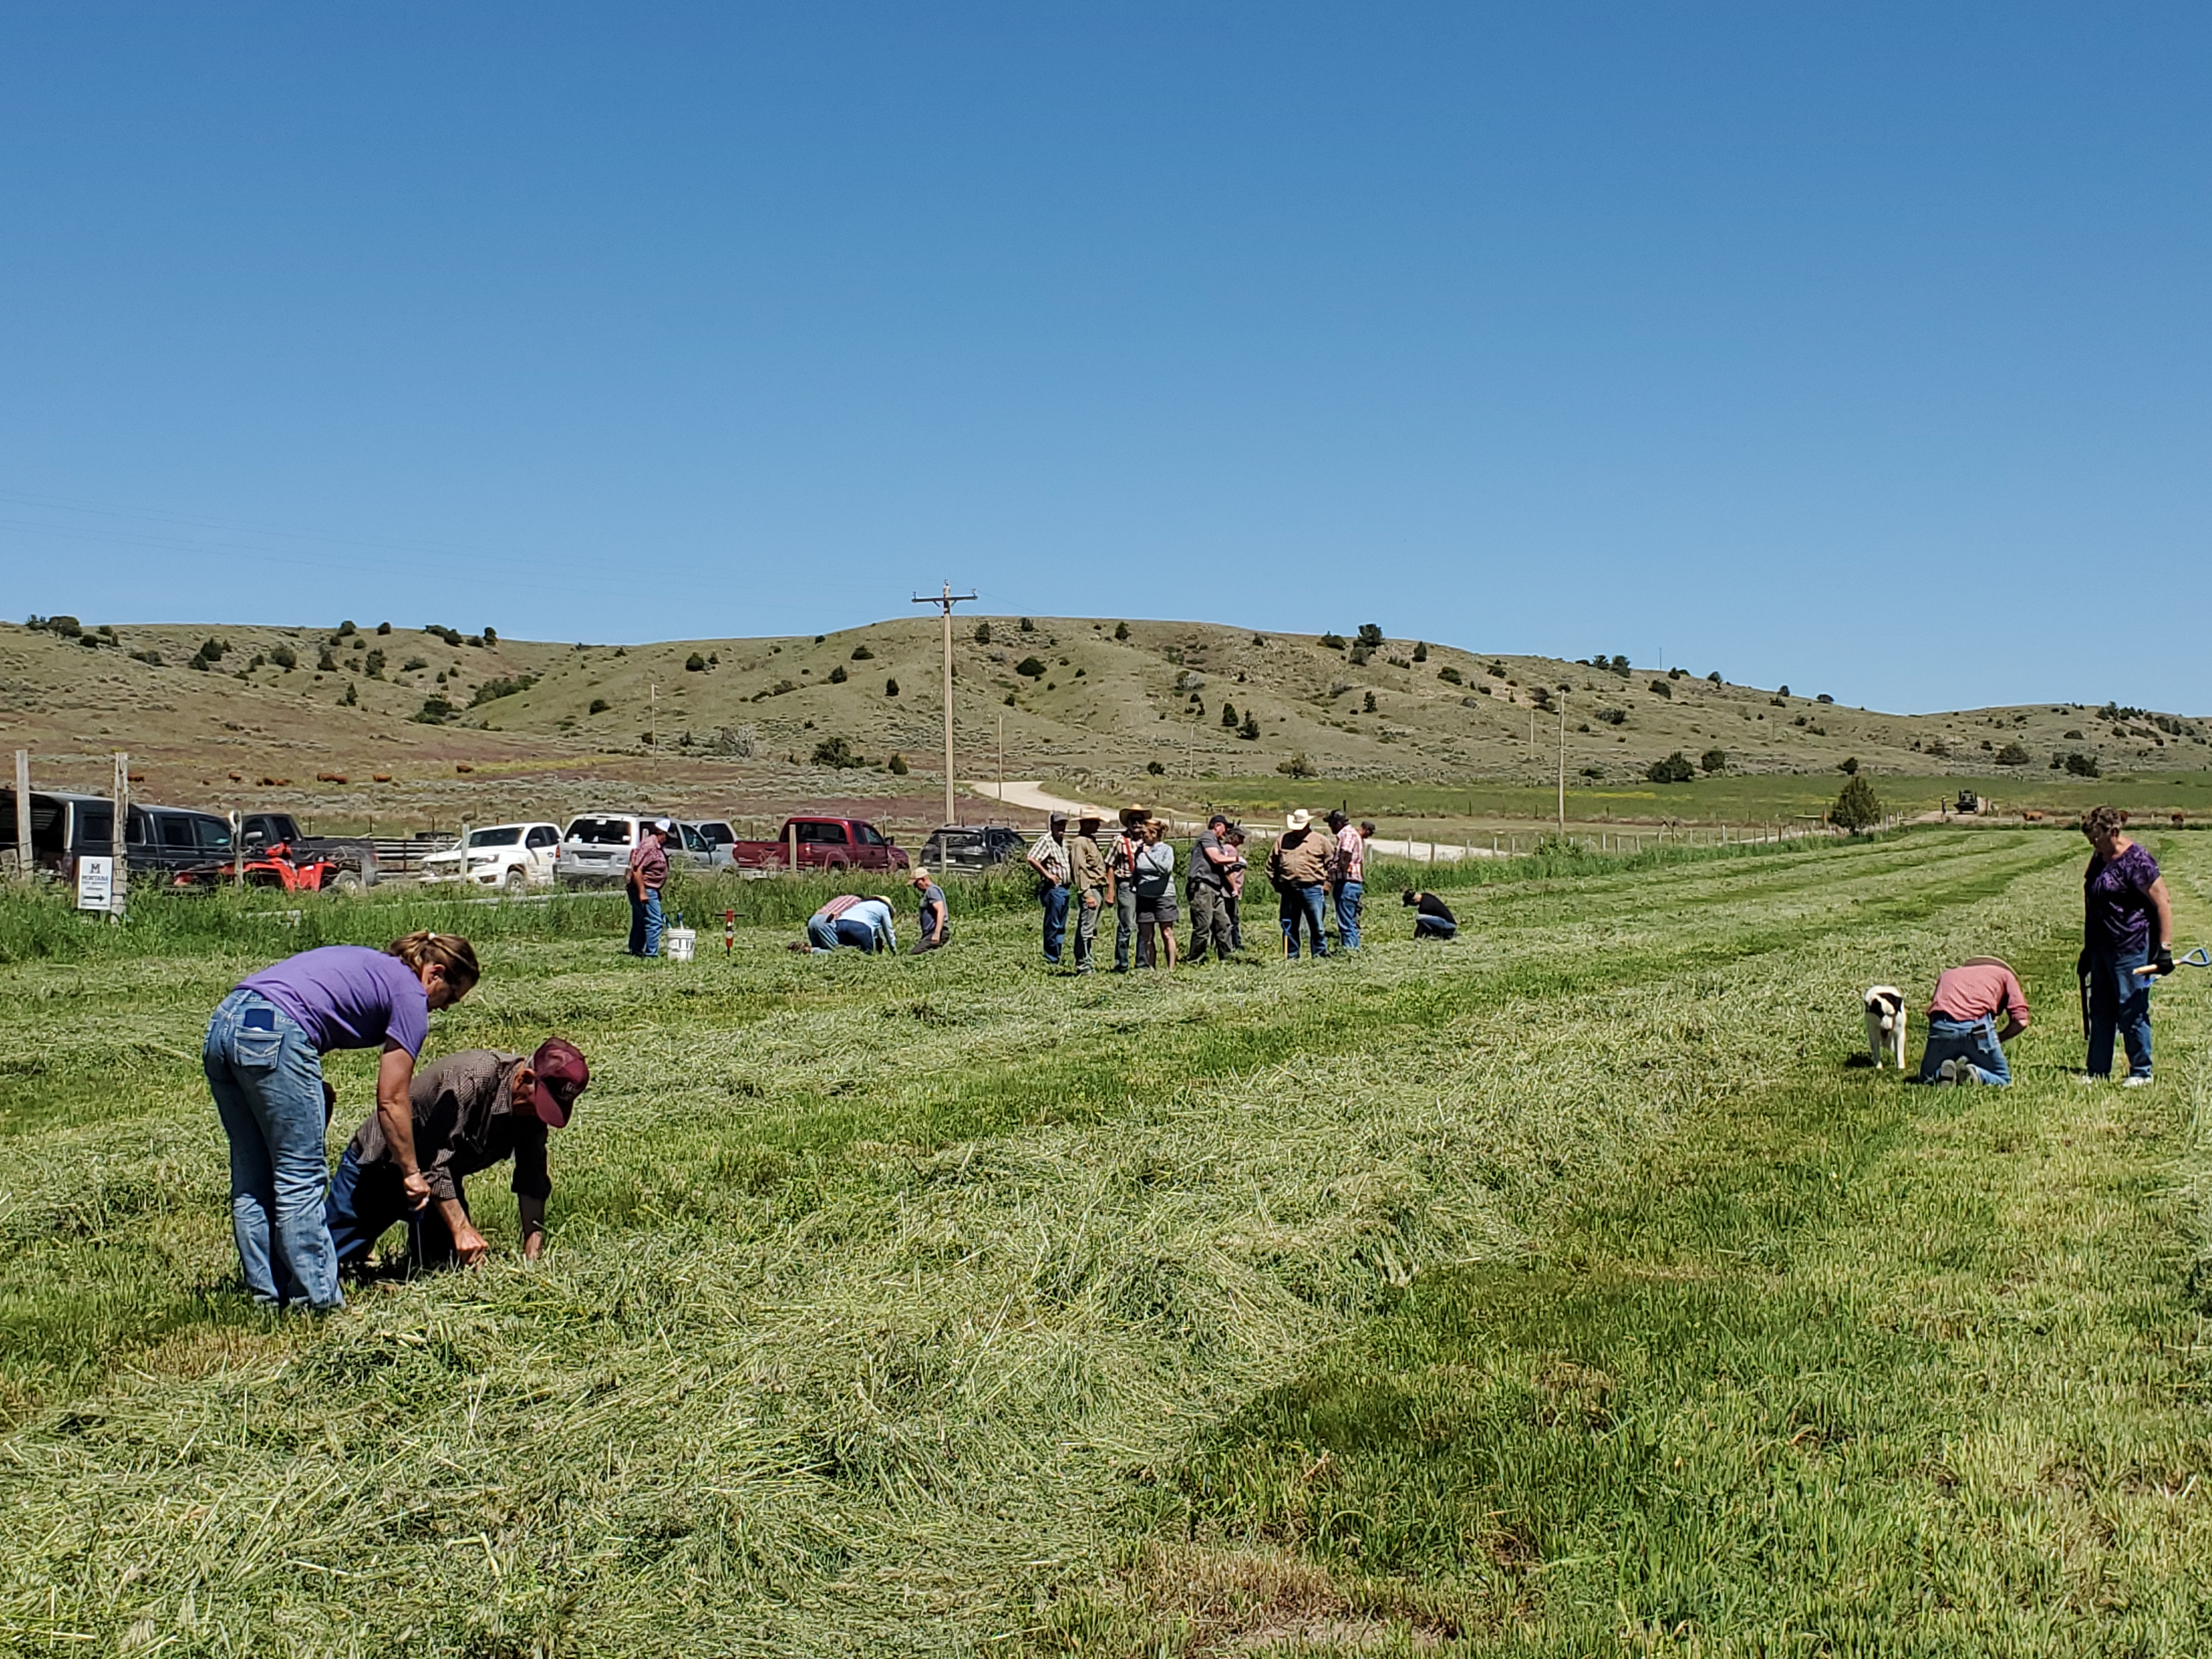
{"x": 2163, "y": 961}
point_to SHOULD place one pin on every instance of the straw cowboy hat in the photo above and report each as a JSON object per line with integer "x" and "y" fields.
{"x": 1297, "y": 820}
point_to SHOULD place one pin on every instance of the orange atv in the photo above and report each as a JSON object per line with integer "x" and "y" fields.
{"x": 273, "y": 866}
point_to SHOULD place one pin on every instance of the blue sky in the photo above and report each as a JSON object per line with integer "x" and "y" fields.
{"x": 1859, "y": 348}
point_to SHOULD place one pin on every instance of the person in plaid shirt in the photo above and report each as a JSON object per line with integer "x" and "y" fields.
{"x": 1048, "y": 858}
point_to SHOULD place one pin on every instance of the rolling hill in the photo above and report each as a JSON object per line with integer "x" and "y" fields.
{"x": 1094, "y": 703}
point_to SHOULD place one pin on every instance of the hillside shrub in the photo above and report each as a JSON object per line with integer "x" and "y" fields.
{"x": 435, "y": 711}
{"x": 599, "y": 706}
{"x": 2081, "y": 766}
{"x": 982, "y": 633}
{"x": 1297, "y": 767}
{"x": 1857, "y": 808}
{"x": 1660, "y": 688}
{"x": 1420, "y": 651}
{"x": 1026, "y": 626}
{"x": 1121, "y": 632}
{"x": 1030, "y": 668}
{"x": 1250, "y": 730}
{"x": 694, "y": 664}
{"x": 1713, "y": 760}
{"x": 837, "y": 750}
{"x": 861, "y": 653}
{"x": 891, "y": 688}
{"x": 288, "y": 659}
{"x": 1331, "y": 642}
{"x": 2013, "y": 755}
{"x": 1675, "y": 768}
{"x": 1450, "y": 676}
{"x": 1156, "y": 769}
{"x": 838, "y": 676}
{"x": 327, "y": 663}
{"x": 1369, "y": 636}
{"x": 1613, "y": 716}
{"x": 896, "y": 766}
{"x": 1228, "y": 716}
{"x": 1849, "y": 765}
{"x": 491, "y": 690}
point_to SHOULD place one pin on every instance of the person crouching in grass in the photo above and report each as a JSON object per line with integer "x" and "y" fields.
{"x": 470, "y": 1110}
{"x": 1432, "y": 917}
{"x": 1964, "y": 1042}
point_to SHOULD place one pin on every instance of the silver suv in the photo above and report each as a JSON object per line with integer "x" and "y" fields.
{"x": 596, "y": 847}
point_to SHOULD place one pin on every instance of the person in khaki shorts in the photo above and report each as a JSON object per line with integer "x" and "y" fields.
{"x": 1087, "y": 883}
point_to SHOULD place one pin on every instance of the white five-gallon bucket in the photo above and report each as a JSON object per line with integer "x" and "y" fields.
{"x": 681, "y": 943}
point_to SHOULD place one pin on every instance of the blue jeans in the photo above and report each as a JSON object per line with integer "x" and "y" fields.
{"x": 2120, "y": 1002}
{"x": 1974, "y": 1039}
{"x": 1348, "y": 914}
{"x": 645, "y": 924}
{"x": 267, "y": 1081}
{"x": 1304, "y": 903}
{"x": 1434, "y": 928}
{"x": 1056, "y": 920}
{"x": 826, "y": 933}
{"x": 364, "y": 1203}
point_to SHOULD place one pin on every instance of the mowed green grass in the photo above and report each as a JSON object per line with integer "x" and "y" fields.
{"x": 1560, "y": 1289}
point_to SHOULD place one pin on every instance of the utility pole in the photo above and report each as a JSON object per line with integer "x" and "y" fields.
{"x": 119, "y": 892}
{"x": 25, "y": 864}
{"x": 1563, "y": 763}
{"x": 945, "y": 602}
{"x": 1002, "y": 758}
{"x": 652, "y": 713}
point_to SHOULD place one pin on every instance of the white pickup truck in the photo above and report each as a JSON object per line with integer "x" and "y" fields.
{"x": 508, "y": 856}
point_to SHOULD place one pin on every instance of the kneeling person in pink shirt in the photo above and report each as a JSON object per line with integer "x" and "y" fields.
{"x": 1964, "y": 1042}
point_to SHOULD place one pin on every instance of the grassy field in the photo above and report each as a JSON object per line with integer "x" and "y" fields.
{"x": 1560, "y": 1291}
{"x": 1775, "y": 798}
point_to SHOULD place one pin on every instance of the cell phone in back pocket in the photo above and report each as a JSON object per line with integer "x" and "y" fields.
{"x": 258, "y": 1042}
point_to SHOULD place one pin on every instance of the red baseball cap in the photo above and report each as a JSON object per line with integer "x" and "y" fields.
{"x": 561, "y": 1076}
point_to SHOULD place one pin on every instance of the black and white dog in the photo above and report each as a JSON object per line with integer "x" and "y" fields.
{"x": 1885, "y": 1018}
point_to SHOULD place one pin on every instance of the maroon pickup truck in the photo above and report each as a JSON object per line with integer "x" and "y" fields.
{"x": 823, "y": 843}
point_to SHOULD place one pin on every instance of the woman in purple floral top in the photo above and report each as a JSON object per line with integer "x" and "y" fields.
{"x": 2127, "y": 941}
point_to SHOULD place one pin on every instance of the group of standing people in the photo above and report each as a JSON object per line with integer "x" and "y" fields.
{"x": 1318, "y": 873}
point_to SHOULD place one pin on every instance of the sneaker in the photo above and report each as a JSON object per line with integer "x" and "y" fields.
{"x": 2135, "y": 1081}
{"x": 1967, "y": 1075}
{"x": 2085, "y": 1078}
{"x": 1947, "y": 1071}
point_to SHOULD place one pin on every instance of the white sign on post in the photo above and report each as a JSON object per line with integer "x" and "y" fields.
{"x": 95, "y": 884}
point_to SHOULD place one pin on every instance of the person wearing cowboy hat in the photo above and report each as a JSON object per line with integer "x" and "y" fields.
{"x": 1047, "y": 856}
{"x": 1087, "y": 885}
{"x": 470, "y": 1110}
{"x": 1121, "y": 882}
{"x": 1298, "y": 866}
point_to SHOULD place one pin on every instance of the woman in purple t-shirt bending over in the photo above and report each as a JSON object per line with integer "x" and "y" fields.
{"x": 263, "y": 1063}
{"x": 2127, "y": 941}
